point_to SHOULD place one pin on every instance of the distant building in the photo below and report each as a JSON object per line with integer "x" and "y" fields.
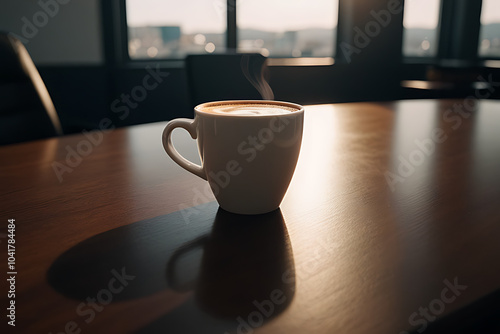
{"x": 170, "y": 34}
{"x": 285, "y": 44}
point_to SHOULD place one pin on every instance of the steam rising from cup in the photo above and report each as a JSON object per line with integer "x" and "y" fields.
{"x": 257, "y": 78}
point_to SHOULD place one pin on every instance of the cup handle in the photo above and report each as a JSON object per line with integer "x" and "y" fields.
{"x": 189, "y": 126}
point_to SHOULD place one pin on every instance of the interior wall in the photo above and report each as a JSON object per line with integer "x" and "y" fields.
{"x": 64, "y": 39}
{"x": 56, "y": 32}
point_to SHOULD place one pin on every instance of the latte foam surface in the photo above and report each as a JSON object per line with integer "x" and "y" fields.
{"x": 248, "y": 109}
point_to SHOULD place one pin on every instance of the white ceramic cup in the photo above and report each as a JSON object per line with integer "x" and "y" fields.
{"x": 248, "y": 160}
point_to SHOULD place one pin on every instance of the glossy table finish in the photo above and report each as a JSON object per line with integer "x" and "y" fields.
{"x": 392, "y": 220}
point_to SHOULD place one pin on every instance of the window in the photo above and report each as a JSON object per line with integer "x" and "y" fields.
{"x": 420, "y": 21}
{"x": 172, "y": 29}
{"x": 283, "y": 28}
{"x": 489, "y": 38}
{"x": 168, "y": 29}
{"x": 276, "y": 28}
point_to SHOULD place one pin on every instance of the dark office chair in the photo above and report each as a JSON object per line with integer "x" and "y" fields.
{"x": 213, "y": 77}
{"x": 26, "y": 109}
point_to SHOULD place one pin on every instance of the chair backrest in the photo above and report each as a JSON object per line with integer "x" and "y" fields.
{"x": 236, "y": 76}
{"x": 26, "y": 109}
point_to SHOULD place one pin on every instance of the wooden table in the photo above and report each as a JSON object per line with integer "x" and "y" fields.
{"x": 392, "y": 220}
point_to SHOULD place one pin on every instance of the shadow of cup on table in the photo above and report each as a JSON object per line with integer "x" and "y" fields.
{"x": 245, "y": 276}
{"x": 220, "y": 264}
{"x": 140, "y": 249}
{"x": 247, "y": 267}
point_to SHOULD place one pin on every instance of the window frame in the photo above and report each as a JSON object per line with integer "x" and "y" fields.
{"x": 458, "y": 27}
{"x": 116, "y": 39}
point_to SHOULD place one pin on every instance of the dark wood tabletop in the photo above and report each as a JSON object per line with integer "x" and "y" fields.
{"x": 391, "y": 224}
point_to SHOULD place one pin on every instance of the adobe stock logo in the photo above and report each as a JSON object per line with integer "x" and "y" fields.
{"x": 87, "y": 309}
{"x": 48, "y": 10}
{"x": 263, "y": 311}
{"x": 122, "y": 107}
{"x": 217, "y": 180}
{"x": 454, "y": 116}
{"x": 221, "y": 6}
{"x": 436, "y": 306}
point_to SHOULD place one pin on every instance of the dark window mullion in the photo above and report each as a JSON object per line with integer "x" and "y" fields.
{"x": 115, "y": 32}
{"x": 445, "y": 29}
{"x": 231, "y": 31}
{"x": 343, "y": 29}
{"x": 469, "y": 23}
{"x": 459, "y": 29}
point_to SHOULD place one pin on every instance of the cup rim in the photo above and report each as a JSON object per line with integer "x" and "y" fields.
{"x": 300, "y": 108}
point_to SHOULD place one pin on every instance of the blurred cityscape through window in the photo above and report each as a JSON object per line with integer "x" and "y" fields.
{"x": 420, "y": 34}
{"x": 489, "y": 37}
{"x": 168, "y": 29}
{"x": 283, "y": 28}
{"x": 276, "y": 28}
{"x": 172, "y": 29}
